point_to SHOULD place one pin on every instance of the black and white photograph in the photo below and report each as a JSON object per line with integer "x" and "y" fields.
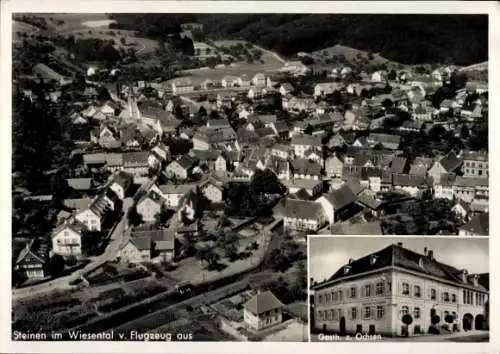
{"x": 399, "y": 289}
{"x": 167, "y": 168}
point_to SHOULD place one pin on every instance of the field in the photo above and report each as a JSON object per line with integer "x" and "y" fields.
{"x": 350, "y": 54}
{"x": 271, "y": 64}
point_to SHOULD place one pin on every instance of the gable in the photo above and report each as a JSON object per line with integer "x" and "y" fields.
{"x": 70, "y": 233}
{"x": 87, "y": 214}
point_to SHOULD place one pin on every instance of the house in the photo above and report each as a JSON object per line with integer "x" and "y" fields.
{"x": 479, "y": 225}
{"x": 147, "y": 244}
{"x": 283, "y": 151}
{"x": 311, "y": 186}
{"x": 67, "y": 238}
{"x": 388, "y": 141}
{"x": 379, "y": 76}
{"x": 180, "y": 86}
{"x": 188, "y": 206}
{"x": 337, "y": 202}
{"x": 136, "y": 250}
{"x": 262, "y": 311}
{"x": 303, "y": 143}
{"x": 324, "y": 89}
{"x": 149, "y": 205}
{"x": 336, "y": 141}
{"x": 334, "y": 165}
{"x": 136, "y": 162}
{"x": 120, "y": 184}
{"x": 78, "y": 119}
{"x": 243, "y": 81}
{"x": 355, "y": 298}
{"x": 299, "y": 104}
{"x": 259, "y": 79}
{"x": 173, "y": 193}
{"x": 468, "y": 188}
{"x": 296, "y": 68}
{"x": 281, "y": 129}
{"x": 182, "y": 168}
{"x": 256, "y": 92}
{"x": 420, "y": 166}
{"x": 213, "y": 192}
{"x": 108, "y": 108}
{"x": 32, "y": 261}
{"x": 92, "y": 216}
{"x": 303, "y": 215}
{"x": 306, "y": 169}
{"x": 109, "y": 137}
{"x": 286, "y": 89}
{"x": 159, "y": 154}
{"x": 447, "y": 164}
{"x": 229, "y": 81}
{"x": 414, "y": 185}
{"x": 475, "y": 164}
{"x": 443, "y": 189}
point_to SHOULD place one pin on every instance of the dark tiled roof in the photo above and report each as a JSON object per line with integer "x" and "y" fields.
{"x": 188, "y": 161}
{"x": 398, "y": 164}
{"x": 302, "y": 209}
{"x": 262, "y": 303}
{"x": 123, "y": 179}
{"x": 341, "y": 197}
{"x": 311, "y": 140}
{"x": 479, "y": 224}
{"x": 397, "y": 256}
{"x": 400, "y": 179}
{"x": 306, "y": 167}
{"x": 450, "y": 162}
{"x": 365, "y": 228}
{"x": 136, "y": 157}
{"x": 142, "y": 243}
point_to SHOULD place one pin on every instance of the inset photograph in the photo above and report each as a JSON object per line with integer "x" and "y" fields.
{"x": 399, "y": 289}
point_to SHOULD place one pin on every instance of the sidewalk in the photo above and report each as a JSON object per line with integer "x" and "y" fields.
{"x": 441, "y": 337}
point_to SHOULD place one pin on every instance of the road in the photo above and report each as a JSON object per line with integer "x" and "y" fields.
{"x": 116, "y": 239}
{"x": 274, "y": 54}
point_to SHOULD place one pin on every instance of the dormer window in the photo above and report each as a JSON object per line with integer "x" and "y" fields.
{"x": 347, "y": 269}
{"x": 421, "y": 262}
{"x": 373, "y": 259}
{"x": 464, "y": 275}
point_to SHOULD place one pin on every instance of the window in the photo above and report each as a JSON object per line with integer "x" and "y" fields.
{"x": 320, "y": 299}
{"x": 453, "y": 298}
{"x": 354, "y": 313}
{"x": 406, "y": 289}
{"x": 433, "y": 294}
{"x": 404, "y": 310}
{"x": 368, "y": 291}
{"x": 327, "y": 298}
{"x": 380, "y": 312}
{"x": 340, "y": 295}
{"x": 368, "y": 313}
{"x": 334, "y": 296}
{"x": 416, "y": 291}
{"x": 353, "y": 293}
{"x": 379, "y": 289}
{"x": 446, "y": 297}
{"x": 416, "y": 312}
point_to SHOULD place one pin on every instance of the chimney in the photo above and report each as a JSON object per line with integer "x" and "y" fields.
{"x": 464, "y": 274}
{"x": 351, "y": 260}
{"x": 400, "y": 244}
{"x": 425, "y": 251}
{"x": 430, "y": 254}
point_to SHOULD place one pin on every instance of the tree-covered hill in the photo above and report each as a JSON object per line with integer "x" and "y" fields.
{"x": 409, "y": 39}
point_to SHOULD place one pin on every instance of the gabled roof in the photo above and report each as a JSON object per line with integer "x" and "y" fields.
{"x": 368, "y": 198}
{"x": 162, "y": 239}
{"x": 470, "y": 182}
{"x": 135, "y": 157}
{"x": 302, "y": 209}
{"x": 35, "y": 248}
{"x": 176, "y": 188}
{"x": 143, "y": 243}
{"x": 304, "y": 139}
{"x": 479, "y": 225}
{"x": 306, "y": 167}
{"x": 397, "y": 256}
{"x": 450, "y": 162}
{"x": 73, "y": 224}
{"x": 401, "y": 179}
{"x": 123, "y": 179}
{"x": 341, "y": 197}
{"x": 187, "y": 161}
{"x": 263, "y": 302}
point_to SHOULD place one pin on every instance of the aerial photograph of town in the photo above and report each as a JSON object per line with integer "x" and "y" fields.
{"x": 167, "y": 168}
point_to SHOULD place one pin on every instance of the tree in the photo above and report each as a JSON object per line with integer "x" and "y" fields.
{"x": 407, "y": 320}
{"x": 464, "y": 132}
{"x": 103, "y": 94}
{"x": 391, "y": 76}
{"x": 56, "y": 266}
{"x": 229, "y": 242}
{"x": 123, "y": 41}
{"x": 134, "y": 218}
